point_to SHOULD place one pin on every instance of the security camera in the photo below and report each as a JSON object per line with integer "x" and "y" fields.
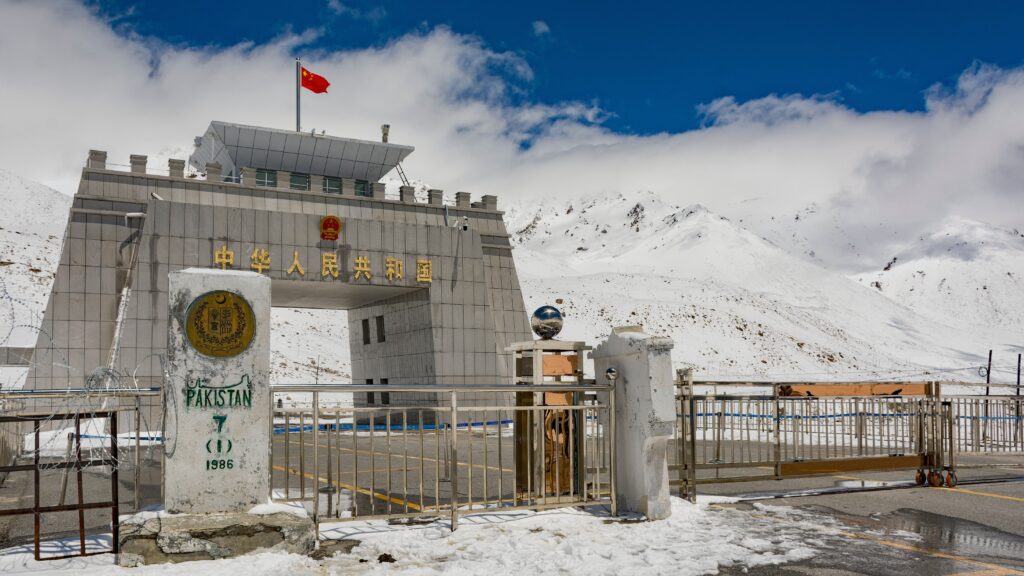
{"x": 611, "y": 374}
{"x": 465, "y": 223}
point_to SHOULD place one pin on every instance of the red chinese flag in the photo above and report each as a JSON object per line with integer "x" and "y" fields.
{"x": 314, "y": 82}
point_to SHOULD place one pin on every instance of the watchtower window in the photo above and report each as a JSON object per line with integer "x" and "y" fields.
{"x": 332, "y": 185}
{"x": 266, "y": 178}
{"x": 380, "y": 328}
{"x": 299, "y": 181}
{"x": 366, "y": 331}
{"x": 363, "y": 188}
{"x": 369, "y": 395}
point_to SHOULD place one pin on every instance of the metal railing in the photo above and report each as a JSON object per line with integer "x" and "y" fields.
{"x": 438, "y": 450}
{"x": 988, "y": 424}
{"x": 744, "y": 436}
{"x": 744, "y": 431}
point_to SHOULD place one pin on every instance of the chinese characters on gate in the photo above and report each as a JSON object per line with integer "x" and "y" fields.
{"x": 260, "y": 260}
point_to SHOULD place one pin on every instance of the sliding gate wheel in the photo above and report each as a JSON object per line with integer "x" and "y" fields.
{"x": 920, "y": 478}
{"x": 950, "y": 479}
{"x": 934, "y": 478}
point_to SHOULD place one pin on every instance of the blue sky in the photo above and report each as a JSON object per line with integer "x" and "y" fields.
{"x": 887, "y": 123}
{"x": 648, "y": 65}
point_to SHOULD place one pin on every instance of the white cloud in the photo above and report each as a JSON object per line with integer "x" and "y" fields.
{"x": 540, "y": 28}
{"x": 879, "y": 179}
{"x": 375, "y": 14}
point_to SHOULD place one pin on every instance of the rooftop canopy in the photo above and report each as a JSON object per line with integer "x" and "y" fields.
{"x": 236, "y": 146}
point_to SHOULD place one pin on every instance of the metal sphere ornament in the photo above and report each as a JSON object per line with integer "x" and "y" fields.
{"x": 546, "y": 322}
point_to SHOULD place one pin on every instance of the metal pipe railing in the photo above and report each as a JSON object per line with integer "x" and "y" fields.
{"x": 808, "y": 433}
{"x": 383, "y": 461}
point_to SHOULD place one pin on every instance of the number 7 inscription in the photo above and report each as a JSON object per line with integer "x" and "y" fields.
{"x": 219, "y": 419}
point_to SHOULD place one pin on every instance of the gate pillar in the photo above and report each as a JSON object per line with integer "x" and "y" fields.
{"x": 644, "y": 417}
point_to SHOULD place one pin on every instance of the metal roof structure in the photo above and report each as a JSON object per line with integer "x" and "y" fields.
{"x": 237, "y": 146}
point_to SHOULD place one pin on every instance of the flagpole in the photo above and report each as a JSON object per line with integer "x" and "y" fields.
{"x": 298, "y": 91}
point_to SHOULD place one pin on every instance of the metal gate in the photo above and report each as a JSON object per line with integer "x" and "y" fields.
{"x": 78, "y": 464}
{"x": 740, "y": 435}
{"x": 53, "y": 438}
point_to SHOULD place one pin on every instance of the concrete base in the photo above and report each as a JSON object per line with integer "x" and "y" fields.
{"x": 160, "y": 539}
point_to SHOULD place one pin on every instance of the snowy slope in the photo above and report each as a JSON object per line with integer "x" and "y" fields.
{"x": 967, "y": 273}
{"x": 737, "y": 305}
{"x": 31, "y": 227}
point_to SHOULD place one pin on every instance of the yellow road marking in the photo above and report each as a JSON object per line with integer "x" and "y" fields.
{"x": 987, "y": 572}
{"x": 348, "y": 486}
{"x": 989, "y": 494}
{"x": 934, "y": 553}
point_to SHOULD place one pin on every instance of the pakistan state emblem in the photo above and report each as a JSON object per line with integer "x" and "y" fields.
{"x": 220, "y": 324}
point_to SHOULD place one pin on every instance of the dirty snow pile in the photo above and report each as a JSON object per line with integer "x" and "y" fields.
{"x": 696, "y": 539}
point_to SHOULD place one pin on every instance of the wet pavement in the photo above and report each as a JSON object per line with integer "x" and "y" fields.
{"x": 910, "y": 540}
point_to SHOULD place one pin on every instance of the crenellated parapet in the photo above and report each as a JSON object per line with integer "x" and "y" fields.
{"x": 259, "y": 182}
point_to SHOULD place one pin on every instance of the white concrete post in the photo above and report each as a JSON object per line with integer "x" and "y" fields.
{"x": 644, "y": 417}
{"x": 217, "y": 397}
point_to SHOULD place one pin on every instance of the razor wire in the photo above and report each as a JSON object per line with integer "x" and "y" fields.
{"x": 19, "y": 315}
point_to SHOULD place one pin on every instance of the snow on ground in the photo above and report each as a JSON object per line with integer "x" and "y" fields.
{"x": 19, "y": 560}
{"x": 696, "y": 539}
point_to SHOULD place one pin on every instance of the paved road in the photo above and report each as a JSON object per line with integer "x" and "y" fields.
{"x": 975, "y": 528}
{"x": 396, "y": 474}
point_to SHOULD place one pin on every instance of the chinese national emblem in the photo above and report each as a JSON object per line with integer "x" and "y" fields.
{"x": 330, "y": 228}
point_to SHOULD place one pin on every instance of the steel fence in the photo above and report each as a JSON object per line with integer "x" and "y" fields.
{"x": 473, "y": 448}
{"x": 741, "y": 437}
{"x": 988, "y": 424}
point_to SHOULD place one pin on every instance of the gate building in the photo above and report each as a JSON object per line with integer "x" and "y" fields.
{"x": 430, "y": 288}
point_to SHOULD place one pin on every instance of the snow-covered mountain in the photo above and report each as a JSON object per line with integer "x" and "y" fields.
{"x": 32, "y": 225}
{"x": 966, "y": 273}
{"x": 736, "y": 304}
